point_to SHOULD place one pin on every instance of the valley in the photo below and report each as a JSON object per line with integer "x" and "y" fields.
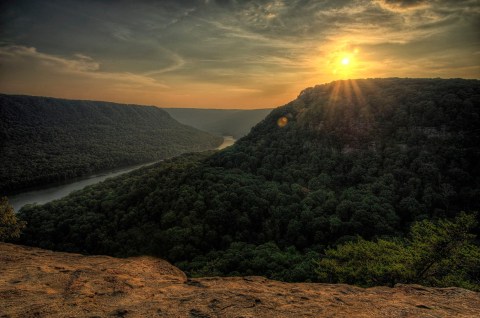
{"x": 240, "y": 159}
{"x": 231, "y": 122}
{"x": 329, "y": 176}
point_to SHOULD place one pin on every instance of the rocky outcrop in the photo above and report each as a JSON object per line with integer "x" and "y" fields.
{"x": 41, "y": 283}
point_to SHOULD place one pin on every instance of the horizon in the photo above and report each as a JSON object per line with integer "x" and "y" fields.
{"x": 239, "y": 109}
{"x": 226, "y": 54}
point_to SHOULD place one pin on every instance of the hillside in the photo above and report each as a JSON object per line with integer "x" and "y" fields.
{"x": 41, "y": 283}
{"x": 222, "y": 122}
{"x": 44, "y": 140}
{"x": 357, "y": 159}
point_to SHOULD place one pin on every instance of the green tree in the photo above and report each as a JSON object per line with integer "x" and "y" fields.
{"x": 366, "y": 263}
{"x": 10, "y": 227}
{"x": 440, "y": 253}
{"x": 445, "y": 253}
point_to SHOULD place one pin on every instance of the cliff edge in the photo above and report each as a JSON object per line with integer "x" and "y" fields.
{"x": 41, "y": 283}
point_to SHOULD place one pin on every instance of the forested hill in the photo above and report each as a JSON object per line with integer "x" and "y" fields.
{"x": 44, "y": 140}
{"x": 223, "y": 122}
{"x": 349, "y": 159}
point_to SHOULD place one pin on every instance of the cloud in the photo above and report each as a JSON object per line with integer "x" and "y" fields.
{"x": 80, "y": 65}
{"x": 403, "y": 5}
{"x": 15, "y": 53}
{"x": 262, "y": 50}
{"x": 177, "y": 62}
{"x": 243, "y": 90}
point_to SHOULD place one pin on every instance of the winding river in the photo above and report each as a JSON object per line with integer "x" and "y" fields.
{"x": 57, "y": 191}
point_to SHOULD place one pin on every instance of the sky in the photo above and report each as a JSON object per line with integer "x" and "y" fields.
{"x": 227, "y": 53}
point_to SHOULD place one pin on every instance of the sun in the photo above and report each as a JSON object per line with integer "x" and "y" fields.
{"x": 344, "y": 62}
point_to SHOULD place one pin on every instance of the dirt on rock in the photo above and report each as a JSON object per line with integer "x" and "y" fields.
{"x": 41, "y": 283}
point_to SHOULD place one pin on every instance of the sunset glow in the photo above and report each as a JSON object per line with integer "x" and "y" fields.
{"x": 227, "y": 54}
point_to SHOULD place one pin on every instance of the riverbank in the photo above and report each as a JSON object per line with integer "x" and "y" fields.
{"x": 49, "y": 193}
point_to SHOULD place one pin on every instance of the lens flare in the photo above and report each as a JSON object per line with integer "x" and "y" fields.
{"x": 282, "y": 121}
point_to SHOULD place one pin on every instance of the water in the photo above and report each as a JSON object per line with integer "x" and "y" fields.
{"x": 44, "y": 195}
{"x": 50, "y": 193}
{"x": 227, "y": 141}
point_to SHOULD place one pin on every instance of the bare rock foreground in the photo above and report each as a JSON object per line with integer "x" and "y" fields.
{"x": 41, "y": 283}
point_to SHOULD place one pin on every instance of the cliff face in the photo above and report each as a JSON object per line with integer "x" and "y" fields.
{"x": 41, "y": 283}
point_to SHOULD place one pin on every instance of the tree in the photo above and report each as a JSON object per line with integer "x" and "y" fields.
{"x": 10, "y": 227}
{"x": 366, "y": 263}
{"x": 440, "y": 253}
{"x": 444, "y": 252}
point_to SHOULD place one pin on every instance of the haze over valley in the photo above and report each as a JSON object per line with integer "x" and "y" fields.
{"x": 224, "y": 122}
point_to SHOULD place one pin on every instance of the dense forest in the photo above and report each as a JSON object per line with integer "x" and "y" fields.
{"x": 346, "y": 168}
{"x": 44, "y": 140}
{"x": 222, "y": 122}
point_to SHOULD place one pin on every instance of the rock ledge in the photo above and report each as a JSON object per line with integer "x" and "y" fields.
{"x": 41, "y": 283}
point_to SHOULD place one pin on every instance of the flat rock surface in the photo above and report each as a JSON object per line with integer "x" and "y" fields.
{"x": 41, "y": 283}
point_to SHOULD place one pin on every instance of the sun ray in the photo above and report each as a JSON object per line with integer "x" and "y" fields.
{"x": 357, "y": 92}
{"x": 347, "y": 92}
{"x": 334, "y": 93}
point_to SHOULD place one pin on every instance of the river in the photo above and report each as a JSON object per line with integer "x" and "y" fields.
{"x": 43, "y": 195}
{"x": 227, "y": 141}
